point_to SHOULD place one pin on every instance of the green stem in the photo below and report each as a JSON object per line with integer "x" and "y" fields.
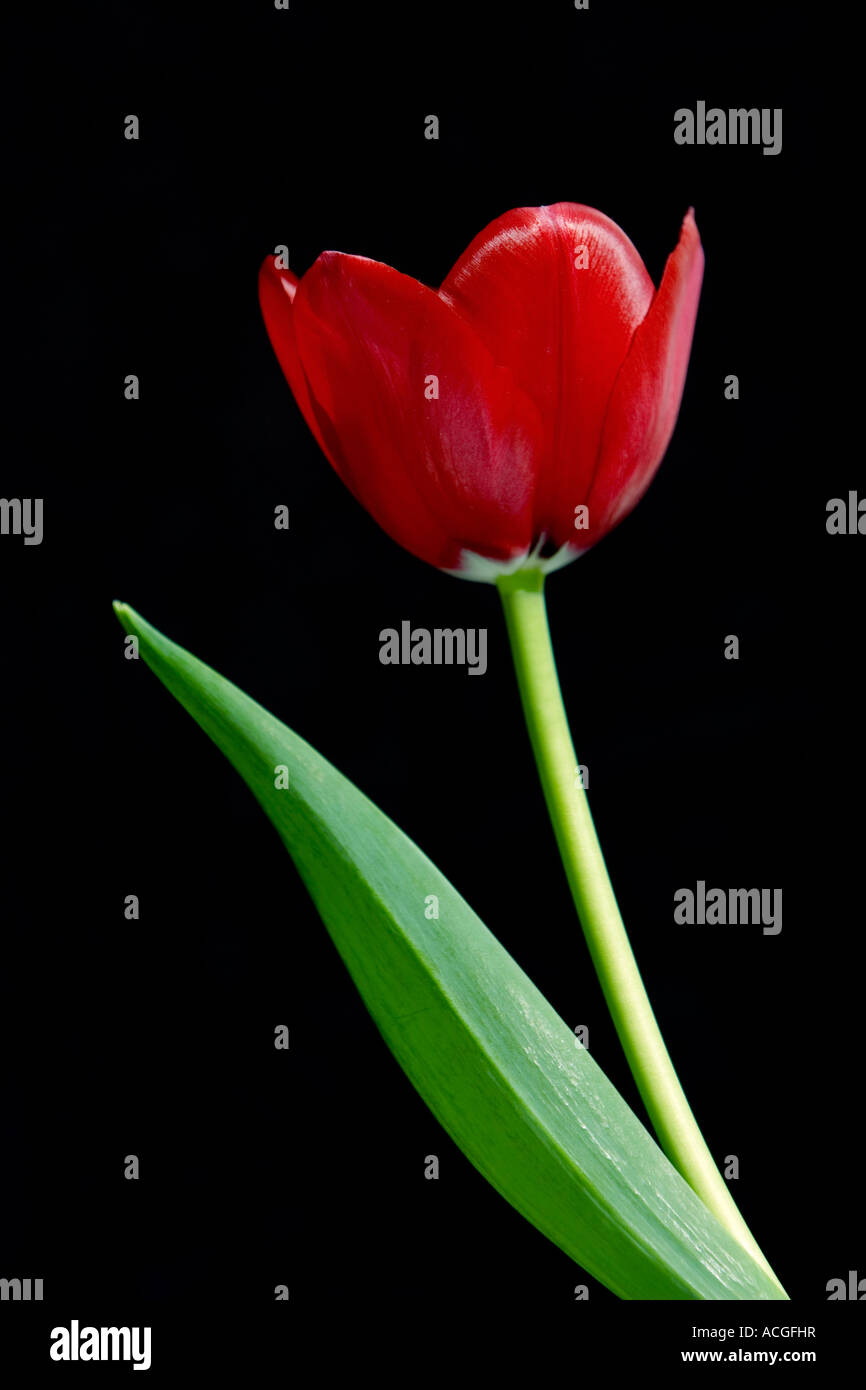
{"x": 523, "y": 600}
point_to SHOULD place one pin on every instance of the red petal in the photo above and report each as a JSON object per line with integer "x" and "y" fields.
{"x": 440, "y": 475}
{"x": 562, "y": 331}
{"x": 646, "y": 398}
{"x": 277, "y": 289}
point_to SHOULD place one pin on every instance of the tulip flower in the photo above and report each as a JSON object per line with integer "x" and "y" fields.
{"x": 510, "y": 419}
{"x": 497, "y": 428}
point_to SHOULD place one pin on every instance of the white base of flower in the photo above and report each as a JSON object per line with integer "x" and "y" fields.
{"x": 483, "y": 570}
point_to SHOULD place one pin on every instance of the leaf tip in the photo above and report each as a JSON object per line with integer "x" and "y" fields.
{"x": 125, "y": 614}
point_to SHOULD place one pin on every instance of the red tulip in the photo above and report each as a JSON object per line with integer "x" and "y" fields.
{"x": 521, "y": 411}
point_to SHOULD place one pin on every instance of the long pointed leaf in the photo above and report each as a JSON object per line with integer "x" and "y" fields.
{"x": 497, "y": 1066}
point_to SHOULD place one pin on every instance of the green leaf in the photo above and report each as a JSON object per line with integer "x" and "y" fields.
{"x": 497, "y": 1066}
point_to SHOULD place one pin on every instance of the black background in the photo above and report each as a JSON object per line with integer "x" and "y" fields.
{"x": 306, "y": 127}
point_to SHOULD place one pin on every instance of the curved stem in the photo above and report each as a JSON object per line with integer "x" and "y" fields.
{"x": 526, "y": 616}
